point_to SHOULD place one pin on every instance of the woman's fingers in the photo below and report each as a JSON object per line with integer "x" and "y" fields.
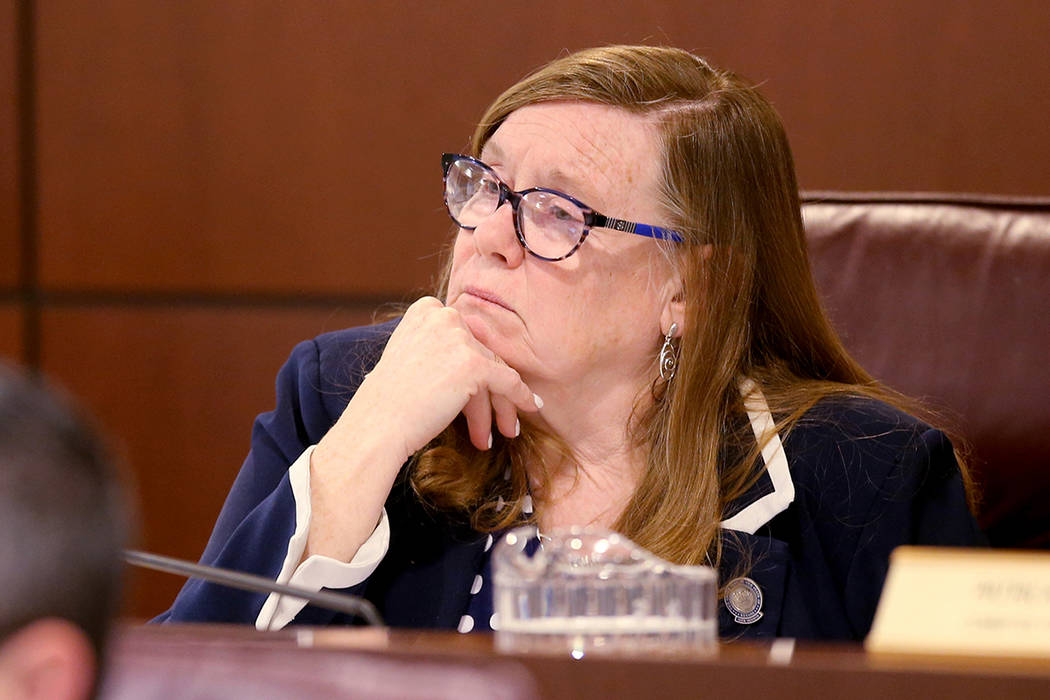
{"x": 506, "y": 416}
{"x": 420, "y": 306}
{"x": 478, "y": 413}
{"x": 505, "y": 381}
{"x": 433, "y": 368}
{"x": 502, "y": 395}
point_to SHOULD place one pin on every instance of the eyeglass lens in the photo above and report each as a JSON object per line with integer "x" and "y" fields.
{"x": 551, "y": 226}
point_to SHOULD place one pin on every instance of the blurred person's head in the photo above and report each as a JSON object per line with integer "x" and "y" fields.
{"x": 63, "y": 524}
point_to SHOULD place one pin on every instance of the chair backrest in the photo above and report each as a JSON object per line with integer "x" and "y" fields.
{"x": 947, "y": 299}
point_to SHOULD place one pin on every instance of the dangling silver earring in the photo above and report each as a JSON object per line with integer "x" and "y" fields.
{"x": 669, "y": 355}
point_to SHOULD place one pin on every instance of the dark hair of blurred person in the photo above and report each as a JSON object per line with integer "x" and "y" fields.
{"x": 63, "y": 523}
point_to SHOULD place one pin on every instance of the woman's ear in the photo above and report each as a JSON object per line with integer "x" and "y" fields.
{"x": 673, "y": 311}
{"x": 675, "y": 297}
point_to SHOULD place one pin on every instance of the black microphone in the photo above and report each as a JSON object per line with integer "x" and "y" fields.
{"x": 351, "y": 605}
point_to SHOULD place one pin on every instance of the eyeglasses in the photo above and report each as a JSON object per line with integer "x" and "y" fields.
{"x": 550, "y": 224}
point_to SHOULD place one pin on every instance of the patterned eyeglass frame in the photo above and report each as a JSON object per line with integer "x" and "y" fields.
{"x": 591, "y": 218}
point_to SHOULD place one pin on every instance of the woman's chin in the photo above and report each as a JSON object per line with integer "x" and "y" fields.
{"x": 493, "y": 335}
{"x": 484, "y": 330}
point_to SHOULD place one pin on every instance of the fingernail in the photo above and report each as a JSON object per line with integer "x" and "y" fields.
{"x": 537, "y": 400}
{"x": 490, "y": 441}
{"x": 517, "y": 427}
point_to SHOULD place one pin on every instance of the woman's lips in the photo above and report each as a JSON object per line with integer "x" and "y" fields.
{"x": 488, "y": 296}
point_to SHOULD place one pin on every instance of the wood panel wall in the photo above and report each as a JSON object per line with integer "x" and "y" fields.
{"x": 11, "y": 320}
{"x": 214, "y": 181}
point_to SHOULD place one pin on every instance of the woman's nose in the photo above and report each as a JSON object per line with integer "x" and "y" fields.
{"x": 496, "y": 236}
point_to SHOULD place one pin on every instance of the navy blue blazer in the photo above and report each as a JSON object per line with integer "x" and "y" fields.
{"x": 866, "y": 478}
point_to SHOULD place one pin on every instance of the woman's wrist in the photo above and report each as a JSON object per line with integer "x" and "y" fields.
{"x": 351, "y": 472}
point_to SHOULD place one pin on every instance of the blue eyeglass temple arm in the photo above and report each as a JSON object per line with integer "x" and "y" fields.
{"x": 601, "y": 221}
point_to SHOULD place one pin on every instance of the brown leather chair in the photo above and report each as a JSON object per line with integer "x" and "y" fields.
{"x": 947, "y": 299}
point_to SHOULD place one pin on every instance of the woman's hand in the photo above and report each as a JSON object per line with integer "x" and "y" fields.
{"x": 432, "y": 369}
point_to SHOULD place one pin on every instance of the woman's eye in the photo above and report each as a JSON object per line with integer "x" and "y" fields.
{"x": 561, "y": 214}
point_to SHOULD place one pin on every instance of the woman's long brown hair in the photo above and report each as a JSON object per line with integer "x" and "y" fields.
{"x": 751, "y": 307}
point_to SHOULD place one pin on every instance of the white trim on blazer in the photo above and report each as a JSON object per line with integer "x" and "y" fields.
{"x": 757, "y": 514}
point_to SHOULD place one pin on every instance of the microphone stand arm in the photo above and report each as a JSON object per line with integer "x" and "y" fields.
{"x": 351, "y": 605}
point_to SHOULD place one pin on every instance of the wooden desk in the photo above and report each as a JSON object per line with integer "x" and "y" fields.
{"x": 209, "y": 661}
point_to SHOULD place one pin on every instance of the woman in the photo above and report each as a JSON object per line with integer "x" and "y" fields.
{"x": 667, "y": 373}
